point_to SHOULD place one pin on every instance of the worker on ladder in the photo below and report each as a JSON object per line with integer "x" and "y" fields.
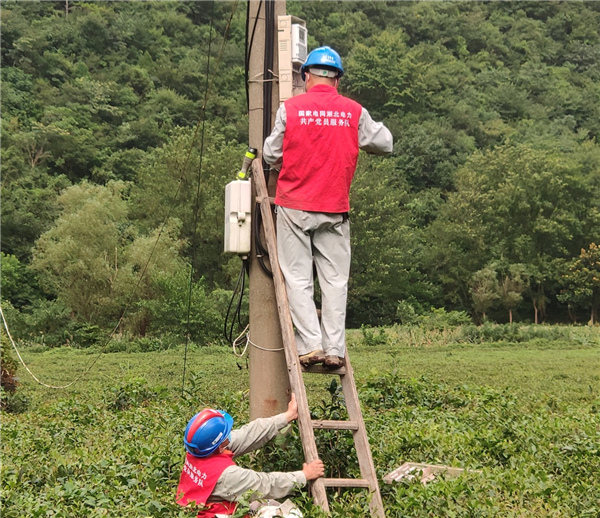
{"x": 315, "y": 141}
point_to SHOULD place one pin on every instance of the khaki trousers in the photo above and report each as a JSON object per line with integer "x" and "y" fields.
{"x": 322, "y": 238}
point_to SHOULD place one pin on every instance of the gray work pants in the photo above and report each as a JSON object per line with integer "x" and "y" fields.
{"x": 304, "y": 237}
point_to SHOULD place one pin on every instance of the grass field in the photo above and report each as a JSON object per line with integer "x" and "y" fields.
{"x": 527, "y": 415}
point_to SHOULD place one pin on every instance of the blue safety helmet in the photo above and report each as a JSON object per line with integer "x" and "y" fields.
{"x": 206, "y": 431}
{"x": 324, "y": 57}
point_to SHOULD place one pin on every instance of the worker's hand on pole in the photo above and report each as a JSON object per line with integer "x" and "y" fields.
{"x": 292, "y": 411}
{"x": 314, "y": 469}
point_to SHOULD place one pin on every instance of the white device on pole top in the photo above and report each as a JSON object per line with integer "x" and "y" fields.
{"x": 299, "y": 43}
{"x": 238, "y": 216}
{"x": 292, "y": 48}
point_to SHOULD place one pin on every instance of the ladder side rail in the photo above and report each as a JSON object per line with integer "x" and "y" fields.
{"x": 287, "y": 331}
{"x": 361, "y": 440}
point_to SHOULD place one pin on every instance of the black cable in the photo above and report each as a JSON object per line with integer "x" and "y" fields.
{"x": 249, "y": 47}
{"x": 267, "y": 74}
{"x": 197, "y": 203}
{"x": 261, "y": 251}
{"x": 246, "y": 54}
{"x": 229, "y": 325}
{"x": 238, "y": 312}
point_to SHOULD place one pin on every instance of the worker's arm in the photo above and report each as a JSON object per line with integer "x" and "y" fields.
{"x": 273, "y": 148}
{"x": 235, "y": 481}
{"x": 373, "y": 137}
{"x": 252, "y": 436}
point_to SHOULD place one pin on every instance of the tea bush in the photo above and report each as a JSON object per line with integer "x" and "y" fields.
{"x": 437, "y": 329}
{"x": 112, "y": 445}
{"x": 532, "y": 456}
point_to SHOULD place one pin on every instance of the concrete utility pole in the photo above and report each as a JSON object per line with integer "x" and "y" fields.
{"x": 269, "y": 382}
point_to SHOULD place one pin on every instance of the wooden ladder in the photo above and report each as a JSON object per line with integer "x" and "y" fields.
{"x": 295, "y": 370}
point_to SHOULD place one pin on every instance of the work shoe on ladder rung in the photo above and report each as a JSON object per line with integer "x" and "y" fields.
{"x": 333, "y": 362}
{"x": 312, "y": 358}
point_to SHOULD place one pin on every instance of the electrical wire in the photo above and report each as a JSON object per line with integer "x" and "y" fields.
{"x": 27, "y": 368}
{"x": 261, "y": 251}
{"x": 267, "y": 84}
{"x": 236, "y": 342}
{"x": 264, "y": 349}
{"x": 197, "y": 202}
{"x": 267, "y": 73}
{"x": 159, "y": 235}
{"x": 232, "y": 319}
{"x": 249, "y": 47}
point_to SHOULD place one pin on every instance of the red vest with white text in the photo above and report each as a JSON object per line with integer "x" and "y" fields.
{"x": 198, "y": 479}
{"x": 320, "y": 150}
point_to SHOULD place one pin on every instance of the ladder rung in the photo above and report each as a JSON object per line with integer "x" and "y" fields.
{"x": 271, "y": 200}
{"x": 346, "y": 482}
{"x": 335, "y": 425}
{"x": 319, "y": 369}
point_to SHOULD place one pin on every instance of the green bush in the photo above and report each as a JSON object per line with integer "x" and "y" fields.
{"x": 432, "y": 318}
{"x": 168, "y": 314}
{"x": 10, "y": 399}
{"x": 86, "y": 335}
{"x": 45, "y": 322}
{"x": 373, "y": 336}
{"x": 149, "y": 344}
{"x": 13, "y": 402}
{"x": 8, "y": 363}
{"x": 518, "y": 333}
{"x": 439, "y": 318}
{"x": 132, "y": 393}
{"x": 406, "y": 313}
{"x": 394, "y": 391}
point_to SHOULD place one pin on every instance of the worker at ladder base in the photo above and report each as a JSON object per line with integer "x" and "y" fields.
{"x": 210, "y": 478}
{"x": 317, "y": 137}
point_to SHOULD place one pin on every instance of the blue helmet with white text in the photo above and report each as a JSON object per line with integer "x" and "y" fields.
{"x": 323, "y": 57}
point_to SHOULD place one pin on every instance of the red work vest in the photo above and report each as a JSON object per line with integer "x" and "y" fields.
{"x": 320, "y": 150}
{"x": 198, "y": 479}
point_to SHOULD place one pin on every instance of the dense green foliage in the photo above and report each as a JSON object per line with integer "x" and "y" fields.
{"x": 492, "y": 191}
{"x": 524, "y": 411}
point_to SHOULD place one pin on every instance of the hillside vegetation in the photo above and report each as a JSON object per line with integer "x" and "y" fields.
{"x": 489, "y": 205}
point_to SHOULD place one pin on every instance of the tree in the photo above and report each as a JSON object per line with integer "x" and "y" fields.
{"x": 384, "y": 266}
{"x": 113, "y": 90}
{"x": 170, "y": 184}
{"x": 93, "y": 257}
{"x": 484, "y": 290}
{"x": 513, "y": 204}
{"x": 18, "y": 284}
{"x": 514, "y": 282}
{"x": 582, "y": 282}
{"x": 399, "y": 74}
{"x": 29, "y": 205}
